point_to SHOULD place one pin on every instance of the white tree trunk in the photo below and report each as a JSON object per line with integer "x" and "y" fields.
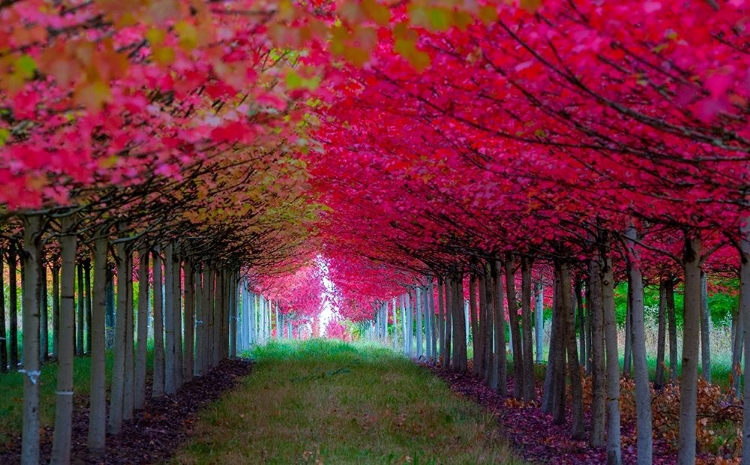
{"x": 539, "y": 320}
{"x": 98, "y": 396}
{"x": 65, "y": 358}
{"x": 157, "y": 389}
{"x": 642, "y": 388}
{"x": 691, "y": 339}
{"x": 139, "y": 398}
{"x": 614, "y": 449}
{"x": 118, "y": 369}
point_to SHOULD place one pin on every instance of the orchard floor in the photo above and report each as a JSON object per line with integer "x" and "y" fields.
{"x": 331, "y": 402}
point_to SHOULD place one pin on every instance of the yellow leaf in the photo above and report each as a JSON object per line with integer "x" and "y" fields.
{"x": 531, "y": 5}
{"x": 188, "y": 35}
{"x": 155, "y": 36}
{"x": 163, "y": 55}
{"x": 488, "y": 14}
{"x": 376, "y": 12}
{"x": 93, "y": 95}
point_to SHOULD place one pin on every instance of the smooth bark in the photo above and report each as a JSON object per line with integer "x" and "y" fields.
{"x": 157, "y": 389}
{"x": 528, "y": 391}
{"x": 139, "y": 394}
{"x": 65, "y": 356}
{"x": 98, "y": 397}
{"x": 598, "y": 375}
{"x": 515, "y": 330}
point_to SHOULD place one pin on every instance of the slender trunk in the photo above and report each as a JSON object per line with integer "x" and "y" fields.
{"x": 420, "y": 310}
{"x": 441, "y": 323}
{"x": 3, "y": 331}
{"x": 140, "y": 359}
{"x": 737, "y": 347}
{"x": 627, "y": 355}
{"x": 598, "y": 375}
{"x": 574, "y": 366}
{"x": 208, "y": 319}
{"x": 64, "y": 395}
{"x": 477, "y": 355}
{"x": 433, "y": 323}
{"x": 13, "y": 307}
{"x": 499, "y": 322}
{"x": 614, "y": 450}
{"x": 673, "y": 367}
{"x": 744, "y": 311}
{"x": 642, "y": 388}
{"x": 55, "y": 309}
{"x": 529, "y": 393}
{"x": 110, "y": 308}
{"x": 515, "y": 331}
{"x": 169, "y": 329}
{"x": 32, "y": 232}
{"x": 98, "y": 399}
{"x": 580, "y": 321}
{"x": 128, "y": 391}
{"x": 705, "y": 330}
{"x": 690, "y": 338}
{"x": 219, "y": 311}
{"x": 118, "y": 369}
{"x": 44, "y": 315}
{"x": 190, "y": 305}
{"x": 177, "y": 315}
{"x": 539, "y": 319}
{"x": 157, "y": 389}
{"x": 661, "y": 338}
{"x": 80, "y": 326}
{"x": 558, "y": 349}
{"x": 486, "y": 324}
{"x": 448, "y": 357}
{"x": 588, "y": 329}
{"x": 87, "y": 302}
{"x": 201, "y": 278}
{"x": 463, "y": 363}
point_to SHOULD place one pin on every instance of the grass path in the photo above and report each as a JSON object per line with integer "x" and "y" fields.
{"x": 331, "y": 402}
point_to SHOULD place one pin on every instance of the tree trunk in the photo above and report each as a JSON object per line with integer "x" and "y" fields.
{"x": 13, "y": 307}
{"x": 705, "y": 330}
{"x": 744, "y": 311}
{"x": 673, "y": 367}
{"x": 574, "y": 366}
{"x": 627, "y": 356}
{"x": 128, "y": 391}
{"x": 614, "y": 450}
{"x": 528, "y": 391}
{"x": 157, "y": 389}
{"x": 558, "y": 349}
{"x": 87, "y": 302}
{"x": 201, "y": 277}
{"x": 55, "y": 309}
{"x": 118, "y": 369}
{"x": 170, "y": 386}
{"x": 98, "y": 399}
{"x": 419, "y": 310}
{"x": 486, "y": 336}
{"x": 44, "y": 315}
{"x": 3, "y": 331}
{"x": 64, "y": 395}
{"x": 218, "y": 312}
{"x": 32, "y": 232}
{"x": 598, "y": 375}
{"x": 139, "y": 398}
{"x": 208, "y": 315}
{"x": 80, "y": 327}
{"x": 475, "y": 341}
{"x": 515, "y": 331}
{"x": 441, "y": 323}
{"x": 433, "y": 325}
{"x": 661, "y": 338}
{"x": 642, "y": 388}
{"x": 539, "y": 319}
{"x": 690, "y": 340}
{"x": 498, "y": 318}
{"x": 177, "y": 315}
{"x": 190, "y": 306}
{"x": 110, "y": 308}
{"x": 737, "y": 346}
{"x": 580, "y": 321}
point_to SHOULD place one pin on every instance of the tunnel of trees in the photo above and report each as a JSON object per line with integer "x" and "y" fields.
{"x": 485, "y": 186}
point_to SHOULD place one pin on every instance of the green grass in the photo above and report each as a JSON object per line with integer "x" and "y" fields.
{"x": 11, "y": 397}
{"x": 332, "y": 402}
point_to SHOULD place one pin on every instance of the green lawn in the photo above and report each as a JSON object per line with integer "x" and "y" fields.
{"x": 331, "y": 402}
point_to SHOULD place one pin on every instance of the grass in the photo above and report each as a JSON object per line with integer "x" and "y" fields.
{"x": 11, "y": 399}
{"x": 331, "y": 402}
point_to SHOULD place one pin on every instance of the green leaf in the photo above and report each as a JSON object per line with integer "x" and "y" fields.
{"x": 25, "y": 66}
{"x": 4, "y": 136}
